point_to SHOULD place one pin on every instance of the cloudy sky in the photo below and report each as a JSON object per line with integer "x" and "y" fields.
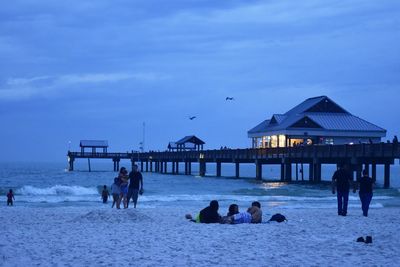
{"x": 73, "y": 70}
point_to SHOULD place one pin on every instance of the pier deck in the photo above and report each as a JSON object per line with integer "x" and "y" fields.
{"x": 357, "y": 156}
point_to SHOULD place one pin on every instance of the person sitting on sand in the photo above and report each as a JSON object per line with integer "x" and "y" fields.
{"x": 116, "y": 191}
{"x": 10, "y": 198}
{"x": 105, "y": 194}
{"x": 233, "y": 209}
{"x": 207, "y": 215}
{"x": 123, "y": 177}
{"x": 252, "y": 215}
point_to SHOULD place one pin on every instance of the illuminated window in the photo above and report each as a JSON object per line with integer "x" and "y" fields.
{"x": 274, "y": 141}
{"x": 282, "y": 140}
{"x": 329, "y": 141}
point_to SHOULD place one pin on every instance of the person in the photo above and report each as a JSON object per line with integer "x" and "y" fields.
{"x": 233, "y": 209}
{"x": 116, "y": 191}
{"x": 341, "y": 181}
{"x": 10, "y": 198}
{"x": 365, "y": 184}
{"x": 135, "y": 182}
{"x": 395, "y": 140}
{"x": 123, "y": 178}
{"x": 105, "y": 194}
{"x": 252, "y": 215}
{"x": 207, "y": 215}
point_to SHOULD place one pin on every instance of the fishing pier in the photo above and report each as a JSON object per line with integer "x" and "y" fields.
{"x": 357, "y": 156}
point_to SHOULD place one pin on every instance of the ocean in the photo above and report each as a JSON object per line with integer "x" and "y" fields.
{"x": 50, "y": 184}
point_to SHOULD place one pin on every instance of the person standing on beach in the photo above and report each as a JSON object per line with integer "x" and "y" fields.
{"x": 365, "y": 184}
{"x": 10, "y": 198}
{"x": 116, "y": 191}
{"x": 135, "y": 185}
{"x": 341, "y": 181}
{"x": 123, "y": 178}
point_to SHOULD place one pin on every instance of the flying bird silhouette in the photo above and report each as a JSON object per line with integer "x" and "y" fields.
{"x": 192, "y": 118}
{"x": 229, "y": 98}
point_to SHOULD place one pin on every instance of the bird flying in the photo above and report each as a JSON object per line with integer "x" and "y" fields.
{"x": 229, "y": 98}
{"x": 192, "y": 118}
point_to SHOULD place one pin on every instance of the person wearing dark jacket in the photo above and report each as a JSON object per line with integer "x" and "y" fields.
{"x": 210, "y": 214}
{"x": 365, "y": 184}
{"x": 341, "y": 180}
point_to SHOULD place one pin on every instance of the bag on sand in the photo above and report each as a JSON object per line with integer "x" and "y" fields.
{"x": 277, "y": 218}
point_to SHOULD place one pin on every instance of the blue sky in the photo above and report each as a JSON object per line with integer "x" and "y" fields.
{"x": 73, "y": 70}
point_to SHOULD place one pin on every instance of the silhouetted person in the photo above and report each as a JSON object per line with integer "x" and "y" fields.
{"x": 395, "y": 140}
{"x": 341, "y": 181}
{"x": 135, "y": 185}
{"x": 10, "y": 198}
{"x": 365, "y": 184}
{"x": 210, "y": 214}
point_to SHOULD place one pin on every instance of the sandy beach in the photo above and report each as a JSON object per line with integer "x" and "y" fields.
{"x": 101, "y": 236}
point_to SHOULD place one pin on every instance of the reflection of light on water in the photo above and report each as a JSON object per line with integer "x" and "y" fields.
{"x": 273, "y": 204}
{"x": 272, "y": 185}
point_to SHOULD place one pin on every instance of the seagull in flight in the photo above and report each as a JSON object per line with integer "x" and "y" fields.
{"x": 229, "y": 98}
{"x": 192, "y": 118}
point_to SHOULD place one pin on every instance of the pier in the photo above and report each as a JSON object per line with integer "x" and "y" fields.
{"x": 359, "y": 156}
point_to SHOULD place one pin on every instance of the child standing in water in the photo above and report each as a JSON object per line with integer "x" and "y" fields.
{"x": 10, "y": 198}
{"x": 105, "y": 194}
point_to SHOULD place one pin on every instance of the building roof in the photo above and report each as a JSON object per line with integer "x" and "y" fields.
{"x": 93, "y": 143}
{"x": 317, "y": 113}
{"x": 190, "y": 139}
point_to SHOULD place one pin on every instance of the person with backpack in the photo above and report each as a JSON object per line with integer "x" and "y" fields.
{"x": 365, "y": 185}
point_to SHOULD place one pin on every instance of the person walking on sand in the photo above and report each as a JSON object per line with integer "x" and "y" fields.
{"x": 105, "y": 194}
{"x": 116, "y": 191}
{"x": 10, "y": 198}
{"x": 135, "y": 185}
{"x": 341, "y": 181}
{"x": 123, "y": 177}
{"x": 365, "y": 185}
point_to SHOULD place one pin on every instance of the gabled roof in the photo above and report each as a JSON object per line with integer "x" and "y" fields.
{"x": 319, "y": 113}
{"x": 93, "y": 143}
{"x": 190, "y": 139}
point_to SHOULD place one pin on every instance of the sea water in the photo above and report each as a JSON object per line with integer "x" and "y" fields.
{"x": 51, "y": 184}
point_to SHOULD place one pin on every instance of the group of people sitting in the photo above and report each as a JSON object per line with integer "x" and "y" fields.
{"x": 210, "y": 214}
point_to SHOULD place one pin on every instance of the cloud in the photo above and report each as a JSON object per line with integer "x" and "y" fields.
{"x": 22, "y": 88}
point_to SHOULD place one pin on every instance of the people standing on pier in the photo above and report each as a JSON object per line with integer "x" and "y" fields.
{"x": 365, "y": 185}
{"x": 116, "y": 191}
{"x": 135, "y": 185}
{"x": 123, "y": 177}
{"x": 105, "y": 194}
{"x": 341, "y": 180}
{"x": 10, "y": 198}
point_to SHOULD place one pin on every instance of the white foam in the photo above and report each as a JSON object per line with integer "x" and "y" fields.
{"x": 56, "y": 190}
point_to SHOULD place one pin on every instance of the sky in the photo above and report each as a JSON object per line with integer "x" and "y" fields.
{"x": 80, "y": 69}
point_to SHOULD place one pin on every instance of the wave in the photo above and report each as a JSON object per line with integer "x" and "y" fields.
{"x": 57, "y": 190}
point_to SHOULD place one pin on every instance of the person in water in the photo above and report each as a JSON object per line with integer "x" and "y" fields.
{"x": 365, "y": 185}
{"x": 123, "y": 178}
{"x": 10, "y": 198}
{"x": 105, "y": 194}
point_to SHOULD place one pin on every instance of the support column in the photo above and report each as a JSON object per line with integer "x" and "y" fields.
{"x": 282, "y": 172}
{"x": 141, "y": 165}
{"x": 373, "y": 171}
{"x": 358, "y": 171}
{"x": 186, "y": 168}
{"x": 288, "y": 172}
{"x": 177, "y": 167}
{"x": 317, "y": 172}
{"x": 173, "y": 167}
{"x": 311, "y": 172}
{"x": 161, "y": 167}
{"x": 386, "y": 183}
{"x": 237, "y": 170}
{"x": 147, "y": 166}
{"x": 218, "y": 169}
{"x": 189, "y": 168}
{"x": 71, "y": 164}
{"x": 90, "y": 169}
{"x": 132, "y": 164}
{"x": 258, "y": 170}
{"x": 202, "y": 171}
{"x": 165, "y": 167}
